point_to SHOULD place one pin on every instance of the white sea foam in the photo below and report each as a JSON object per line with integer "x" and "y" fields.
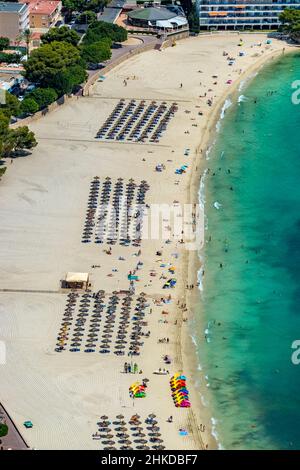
{"x": 201, "y": 199}
{"x": 242, "y": 99}
{"x": 207, "y": 153}
{"x": 201, "y": 192}
{"x": 214, "y": 433}
{"x": 244, "y": 82}
{"x": 194, "y": 341}
{"x": 203, "y": 401}
{"x": 200, "y": 280}
{"x": 217, "y": 205}
{"x": 226, "y": 105}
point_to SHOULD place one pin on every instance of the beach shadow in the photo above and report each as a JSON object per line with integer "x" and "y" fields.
{"x": 20, "y": 154}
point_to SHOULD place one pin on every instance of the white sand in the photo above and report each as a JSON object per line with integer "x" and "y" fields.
{"x": 43, "y": 200}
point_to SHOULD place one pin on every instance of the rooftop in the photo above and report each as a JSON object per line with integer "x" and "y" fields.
{"x": 112, "y": 11}
{"x": 43, "y": 7}
{"x": 9, "y": 7}
{"x": 151, "y": 14}
{"x": 77, "y": 277}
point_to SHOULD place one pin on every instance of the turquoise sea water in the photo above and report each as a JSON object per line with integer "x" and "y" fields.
{"x": 251, "y": 305}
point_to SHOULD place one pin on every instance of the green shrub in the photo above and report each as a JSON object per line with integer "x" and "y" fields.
{"x": 87, "y": 17}
{"x": 3, "y": 427}
{"x": 100, "y": 30}
{"x": 61, "y": 34}
{"x": 29, "y": 106}
{"x": 10, "y": 58}
{"x": 43, "y": 96}
{"x": 96, "y": 52}
{"x": 4, "y": 43}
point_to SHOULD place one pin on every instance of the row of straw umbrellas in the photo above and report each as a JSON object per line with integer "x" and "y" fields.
{"x": 93, "y": 203}
{"x": 135, "y": 114}
{"x": 141, "y": 123}
{"x": 100, "y": 203}
{"x": 139, "y": 111}
{"x": 118, "y": 118}
{"x": 95, "y": 322}
{"x": 136, "y": 120}
{"x": 153, "y": 122}
{"x": 131, "y": 113}
{"x": 130, "y": 435}
{"x": 111, "y": 118}
{"x": 163, "y": 123}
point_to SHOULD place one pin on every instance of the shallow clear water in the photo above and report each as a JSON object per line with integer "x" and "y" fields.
{"x": 251, "y": 305}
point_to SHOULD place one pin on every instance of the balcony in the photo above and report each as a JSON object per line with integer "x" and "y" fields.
{"x": 202, "y": 3}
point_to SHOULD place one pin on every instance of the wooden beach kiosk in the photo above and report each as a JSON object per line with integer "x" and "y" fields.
{"x": 76, "y": 281}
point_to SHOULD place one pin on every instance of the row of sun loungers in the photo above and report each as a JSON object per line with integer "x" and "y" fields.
{"x": 137, "y": 121}
{"x": 115, "y": 212}
{"x": 135, "y": 434}
{"x": 104, "y": 324}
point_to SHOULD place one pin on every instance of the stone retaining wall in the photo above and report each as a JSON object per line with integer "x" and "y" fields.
{"x": 147, "y": 47}
{"x": 55, "y": 105}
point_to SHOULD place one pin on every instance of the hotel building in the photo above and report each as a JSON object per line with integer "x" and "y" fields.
{"x": 14, "y": 19}
{"x": 240, "y": 14}
{"x": 43, "y": 14}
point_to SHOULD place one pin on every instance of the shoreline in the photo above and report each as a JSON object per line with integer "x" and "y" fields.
{"x": 193, "y": 263}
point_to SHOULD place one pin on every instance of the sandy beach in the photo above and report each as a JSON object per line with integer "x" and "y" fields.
{"x": 43, "y": 208}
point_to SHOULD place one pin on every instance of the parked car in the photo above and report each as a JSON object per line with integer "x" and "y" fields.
{"x": 95, "y": 66}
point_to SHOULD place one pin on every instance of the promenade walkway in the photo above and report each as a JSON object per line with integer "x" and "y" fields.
{"x": 13, "y": 440}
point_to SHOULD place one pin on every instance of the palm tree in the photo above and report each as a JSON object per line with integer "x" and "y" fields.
{"x": 25, "y": 36}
